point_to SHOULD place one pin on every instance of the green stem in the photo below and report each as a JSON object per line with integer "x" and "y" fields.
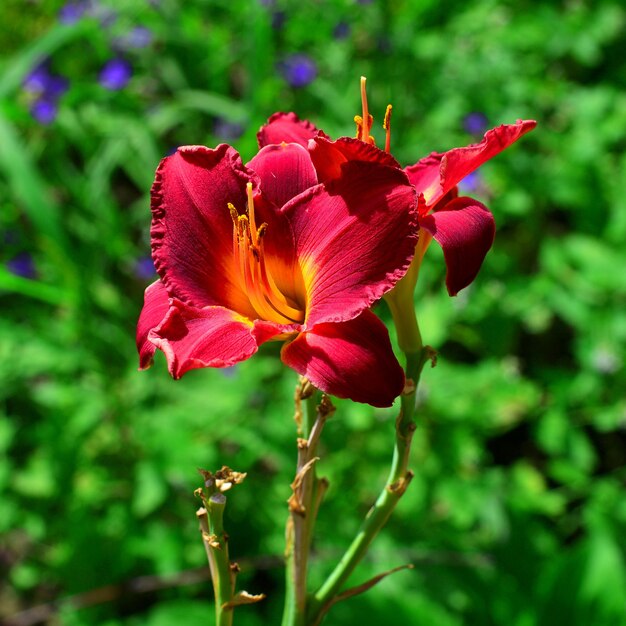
{"x": 303, "y": 507}
{"x": 216, "y": 545}
{"x": 416, "y": 354}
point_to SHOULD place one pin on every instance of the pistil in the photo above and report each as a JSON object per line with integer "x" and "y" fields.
{"x": 364, "y": 123}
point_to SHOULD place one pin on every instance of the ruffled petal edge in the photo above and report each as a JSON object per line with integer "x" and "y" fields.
{"x": 288, "y": 128}
{"x": 211, "y": 336}
{"x": 438, "y": 173}
{"x": 156, "y": 305}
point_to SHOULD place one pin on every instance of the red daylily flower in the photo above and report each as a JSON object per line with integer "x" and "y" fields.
{"x": 267, "y": 251}
{"x": 464, "y": 227}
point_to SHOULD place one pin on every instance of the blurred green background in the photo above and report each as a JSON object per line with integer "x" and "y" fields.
{"x": 517, "y": 513}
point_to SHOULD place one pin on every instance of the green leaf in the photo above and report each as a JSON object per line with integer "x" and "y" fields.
{"x": 14, "y": 70}
{"x": 28, "y": 185}
{"x": 31, "y": 288}
{"x": 150, "y": 489}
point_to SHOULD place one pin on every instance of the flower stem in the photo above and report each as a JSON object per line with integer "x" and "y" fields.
{"x": 215, "y": 540}
{"x": 216, "y": 544}
{"x": 304, "y": 503}
{"x": 399, "y": 475}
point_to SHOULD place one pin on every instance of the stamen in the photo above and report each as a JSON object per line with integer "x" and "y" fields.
{"x": 242, "y": 226}
{"x": 251, "y": 212}
{"x": 387, "y": 127}
{"x": 233, "y": 212}
{"x": 235, "y": 217}
{"x": 248, "y": 251}
{"x": 275, "y": 297}
{"x": 242, "y": 243}
{"x": 358, "y": 120}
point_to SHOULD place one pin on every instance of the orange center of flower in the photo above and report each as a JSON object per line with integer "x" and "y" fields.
{"x": 249, "y": 253}
{"x": 364, "y": 122}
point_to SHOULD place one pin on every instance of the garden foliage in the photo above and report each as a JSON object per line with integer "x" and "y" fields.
{"x": 516, "y": 514}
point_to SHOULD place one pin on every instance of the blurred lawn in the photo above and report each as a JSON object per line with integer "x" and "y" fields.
{"x": 517, "y": 514}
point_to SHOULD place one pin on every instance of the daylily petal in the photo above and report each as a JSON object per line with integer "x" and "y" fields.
{"x": 286, "y": 127}
{"x": 155, "y": 307}
{"x": 465, "y": 229}
{"x": 437, "y": 174}
{"x": 192, "y": 229}
{"x": 285, "y": 171}
{"x": 352, "y": 360}
{"x": 354, "y": 238}
{"x": 209, "y": 337}
{"x": 425, "y": 177}
{"x": 328, "y": 156}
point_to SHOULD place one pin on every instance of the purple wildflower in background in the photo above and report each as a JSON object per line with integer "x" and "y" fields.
{"x": 471, "y": 183}
{"x": 38, "y": 79}
{"x": 41, "y": 82}
{"x": 44, "y": 110}
{"x": 75, "y": 10}
{"x": 341, "y": 30}
{"x": 299, "y": 70}
{"x": 46, "y": 88}
{"x": 105, "y": 15}
{"x": 227, "y": 131}
{"x": 56, "y": 87}
{"x": 139, "y": 37}
{"x": 71, "y": 12}
{"x": 144, "y": 268}
{"x": 230, "y": 372}
{"x": 22, "y": 265}
{"x": 115, "y": 74}
{"x": 475, "y": 123}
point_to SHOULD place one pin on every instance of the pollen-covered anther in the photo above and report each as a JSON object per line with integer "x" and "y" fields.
{"x": 387, "y": 128}
{"x": 358, "y": 120}
{"x": 261, "y": 231}
{"x": 233, "y": 212}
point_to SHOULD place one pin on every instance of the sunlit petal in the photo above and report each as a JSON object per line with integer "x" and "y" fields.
{"x": 192, "y": 228}
{"x": 285, "y": 171}
{"x": 465, "y": 229}
{"x": 209, "y": 337}
{"x": 352, "y": 360}
{"x": 287, "y": 128}
{"x": 354, "y": 239}
{"x": 437, "y": 174}
{"x": 328, "y": 156}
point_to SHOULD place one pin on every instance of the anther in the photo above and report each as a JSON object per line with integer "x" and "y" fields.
{"x": 387, "y": 127}
{"x": 233, "y": 212}
{"x": 242, "y": 225}
{"x": 358, "y": 120}
{"x": 251, "y": 210}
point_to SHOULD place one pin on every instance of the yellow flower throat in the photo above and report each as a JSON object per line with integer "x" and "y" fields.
{"x": 249, "y": 253}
